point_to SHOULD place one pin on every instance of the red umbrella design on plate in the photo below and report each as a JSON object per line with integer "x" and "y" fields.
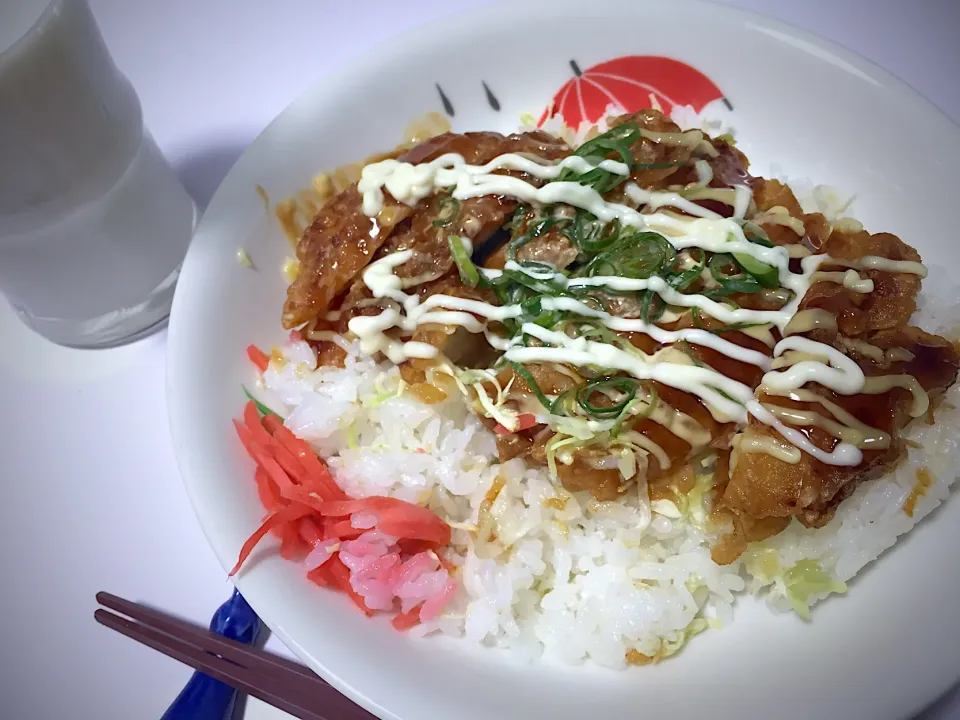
{"x": 630, "y": 83}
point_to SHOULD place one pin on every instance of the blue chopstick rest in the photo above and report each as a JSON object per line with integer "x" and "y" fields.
{"x": 204, "y": 698}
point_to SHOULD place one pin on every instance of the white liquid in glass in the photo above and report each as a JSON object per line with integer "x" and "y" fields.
{"x": 93, "y": 221}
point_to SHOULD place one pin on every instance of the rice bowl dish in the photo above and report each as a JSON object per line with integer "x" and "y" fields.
{"x": 884, "y": 648}
{"x": 549, "y": 562}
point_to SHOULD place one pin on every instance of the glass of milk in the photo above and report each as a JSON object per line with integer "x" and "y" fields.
{"x": 93, "y": 221}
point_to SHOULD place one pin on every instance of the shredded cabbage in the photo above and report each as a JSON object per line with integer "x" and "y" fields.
{"x": 353, "y": 442}
{"x": 383, "y": 394}
{"x": 507, "y": 417}
{"x": 798, "y": 584}
{"x": 762, "y": 563}
{"x": 806, "y": 579}
{"x": 672, "y": 646}
{"x": 696, "y": 500}
{"x": 580, "y": 428}
{"x": 666, "y": 508}
{"x": 627, "y": 464}
{"x": 492, "y": 408}
{"x": 243, "y": 257}
{"x": 553, "y": 445}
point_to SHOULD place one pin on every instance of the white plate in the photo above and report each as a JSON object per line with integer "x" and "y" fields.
{"x": 812, "y": 109}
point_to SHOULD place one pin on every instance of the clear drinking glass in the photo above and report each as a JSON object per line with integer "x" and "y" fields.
{"x": 93, "y": 221}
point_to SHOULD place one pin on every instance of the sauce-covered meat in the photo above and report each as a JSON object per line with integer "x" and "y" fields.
{"x": 342, "y": 240}
{"x": 765, "y": 486}
{"x": 578, "y": 303}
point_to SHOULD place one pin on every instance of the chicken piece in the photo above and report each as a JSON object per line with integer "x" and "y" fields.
{"x": 342, "y": 240}
{"x": 768, "y": 194}
{"x": 552, "y": 248}
{"x": 683, "y": 418}
{"x": 337, "y": 245}
{"x": 603, "y": 483}
{"x": 513, "y": 446}
{"x": 771, "y": 194}
{"x": 475, "y": 218}
{"x": 729, "y": 167}
{"x": 455, "y": 342}
{"x": 550, "y": 380}
{"x": 745, "y": 530}
{"x": 585, "y": 472}
{"x": 649, "y": 151}
{"x": 763, "y": 486}
{"x": 893, "y": 299}
{"x": 772, "y": 197}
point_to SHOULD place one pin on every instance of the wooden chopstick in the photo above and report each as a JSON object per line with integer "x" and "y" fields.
{"x": 211, "y": 642}
{"x": 275, "y": 680}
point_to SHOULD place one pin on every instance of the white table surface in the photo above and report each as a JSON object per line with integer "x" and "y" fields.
{"x": 94, "y": 501}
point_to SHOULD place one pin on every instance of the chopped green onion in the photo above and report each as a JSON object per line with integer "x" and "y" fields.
{"x": 534, "y": 230}
{"x": 652, "y": 401}
{"x": 685, "y": 278}
{"x": 766, "y": 275}
{"x": 591, "y": 236}
{"x": 538, "y": 285}
{"x": 469, "y": 274}
{"x": 447, "y": 210}
{"x": 755, "y": 234}
{"x": 626, "y": 385}
{"x": 636, "y": 255}
{"x": 261, "y": 408}
{"x": 616, "y": 140}
{"x": 737, "y": 281}
{"x": 563, "y": 404}
{"x": 531, "y": 383}
{"x": 652, "y": 307}
{"x": 687, "y": 350}
{"x": 533, "y": 312}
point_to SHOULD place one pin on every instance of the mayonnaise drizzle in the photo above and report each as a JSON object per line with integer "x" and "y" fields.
{"x": 751, "y": 442}
{"x": 859, "y": 436}
{"x": 807, "y": 320}
{"x": 839, "y": 373}
{"x": 873, "y": 262}
{"x": 850, "y": 279}
{"x": 843, "y": 454}
{"x": 727, "y": 399}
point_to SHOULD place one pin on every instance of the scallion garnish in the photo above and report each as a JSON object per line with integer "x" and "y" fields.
{"x": 534, "y": 230}
{"x": 683, "y": 279}
{"x": 447, "y": 210}
{"x": 755, "y": 234}
{"x": 591, "y": 236}
{"x": 469, "y": 274}
{"x": 626, "y": 385}
{"x": 766, "y": 275}
{"x": 528, "y": 378}
{"x": 261, "y": 408}
{"x": 616, "y": 141}
{"x": 636, "y": 255}
{"x": 652, "y": 307}
{"x": 730, "y": 276}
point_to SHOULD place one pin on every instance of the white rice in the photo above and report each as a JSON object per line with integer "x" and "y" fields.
{"x": 588, "y": 580}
